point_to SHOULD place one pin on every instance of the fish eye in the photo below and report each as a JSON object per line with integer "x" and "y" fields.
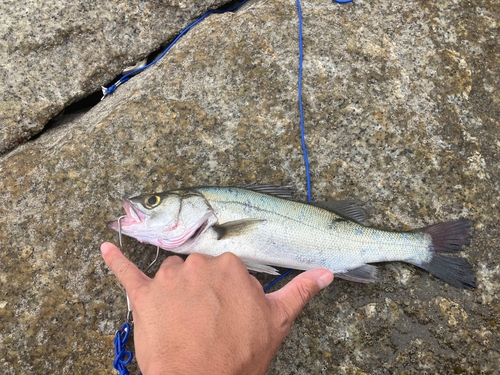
{"x": 152, "y": 201}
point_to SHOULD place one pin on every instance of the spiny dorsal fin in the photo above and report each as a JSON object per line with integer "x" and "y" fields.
{"x": 235, "y": 228}
{"x": 364, "y": 274}
{"x": 349, "y": 209}
{"x": 276, "y": 190}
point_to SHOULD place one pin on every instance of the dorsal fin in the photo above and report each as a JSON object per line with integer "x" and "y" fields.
{"x": 276, "y": 190}
{"x": 349, "y": 209}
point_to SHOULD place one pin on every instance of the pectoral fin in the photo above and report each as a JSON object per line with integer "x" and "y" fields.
{"x": 261, "y": 268}
{"x": 235, "y": 228}
{"x": 364, "y": 274}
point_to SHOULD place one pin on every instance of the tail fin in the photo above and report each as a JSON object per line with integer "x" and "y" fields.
{"x": 449, "y": 237}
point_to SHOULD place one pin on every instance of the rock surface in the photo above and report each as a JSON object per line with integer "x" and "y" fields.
{"x": 401, "y": 106}
{"x": 56, "y": 52}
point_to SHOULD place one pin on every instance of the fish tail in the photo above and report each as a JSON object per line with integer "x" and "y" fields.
{"x": 449, "y": 237}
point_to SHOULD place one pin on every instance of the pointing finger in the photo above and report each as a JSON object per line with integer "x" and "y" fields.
{"x": 125, "y": 271}
{"x": 289, "y": 301}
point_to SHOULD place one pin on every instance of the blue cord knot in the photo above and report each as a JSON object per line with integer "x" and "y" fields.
{"x": 122, "y": 356}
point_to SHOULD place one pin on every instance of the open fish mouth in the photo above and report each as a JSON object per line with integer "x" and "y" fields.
{"x": 133, "y": 216}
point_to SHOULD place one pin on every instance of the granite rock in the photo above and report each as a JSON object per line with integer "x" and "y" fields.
{"x": 54, "y": 53}
{"x": 401, "y": 109}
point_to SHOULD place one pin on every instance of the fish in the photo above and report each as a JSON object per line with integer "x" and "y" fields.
{"x": 265, "y": 228}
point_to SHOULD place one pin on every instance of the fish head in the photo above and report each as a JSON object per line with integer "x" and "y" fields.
{"x": 167, "y": 220}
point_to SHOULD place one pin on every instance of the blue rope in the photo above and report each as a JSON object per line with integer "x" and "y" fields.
{"x": 302, "y": 126}
{"x": 285, "y": 274}
{"x": 301, "y": 110}
{"x": 302, "y": 129}
{"x": 109, "y": 90}
{"x": 122, "y": 356}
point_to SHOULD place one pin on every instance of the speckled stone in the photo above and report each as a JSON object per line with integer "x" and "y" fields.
{"x": 401, "y": 106}
{"x": 55, "y": 52}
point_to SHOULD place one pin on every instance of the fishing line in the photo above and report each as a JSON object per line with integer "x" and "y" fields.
{"x": 123, "y": 356}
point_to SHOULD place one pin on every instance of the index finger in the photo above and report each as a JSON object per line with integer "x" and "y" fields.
{"x": 125, "y": 271}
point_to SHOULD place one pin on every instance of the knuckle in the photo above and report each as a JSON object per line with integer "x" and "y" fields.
{"x": 196, "y": 260}
{"x": 167, "y": 267}
{"x": 171, "y": 261}
{"x": 228, "y": 258}
{"x": 163, "y": 271}
{"x": 231, "y": 265}
{"x": 174, "y": 259}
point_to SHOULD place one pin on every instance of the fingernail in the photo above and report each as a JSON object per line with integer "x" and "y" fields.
{"x": 104, "y": 248}
{"x": 325, "y": 279}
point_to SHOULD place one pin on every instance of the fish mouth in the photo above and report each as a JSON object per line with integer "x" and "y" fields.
{"x": 133, "y": 216}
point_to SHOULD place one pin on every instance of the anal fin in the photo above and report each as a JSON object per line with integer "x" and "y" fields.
{"x": 364, "y": 274}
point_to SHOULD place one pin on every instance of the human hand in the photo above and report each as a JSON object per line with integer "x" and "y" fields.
{"x": 209, "y": 315}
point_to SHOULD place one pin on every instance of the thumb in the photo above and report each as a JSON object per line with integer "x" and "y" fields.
{"x": 289, "y": 301}
{"x": 125, "y": 271}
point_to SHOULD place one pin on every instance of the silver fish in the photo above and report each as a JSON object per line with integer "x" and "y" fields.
{"x": 264, "y": 229}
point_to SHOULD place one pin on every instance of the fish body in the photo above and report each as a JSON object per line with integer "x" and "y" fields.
{"x": 268, "y": 231}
